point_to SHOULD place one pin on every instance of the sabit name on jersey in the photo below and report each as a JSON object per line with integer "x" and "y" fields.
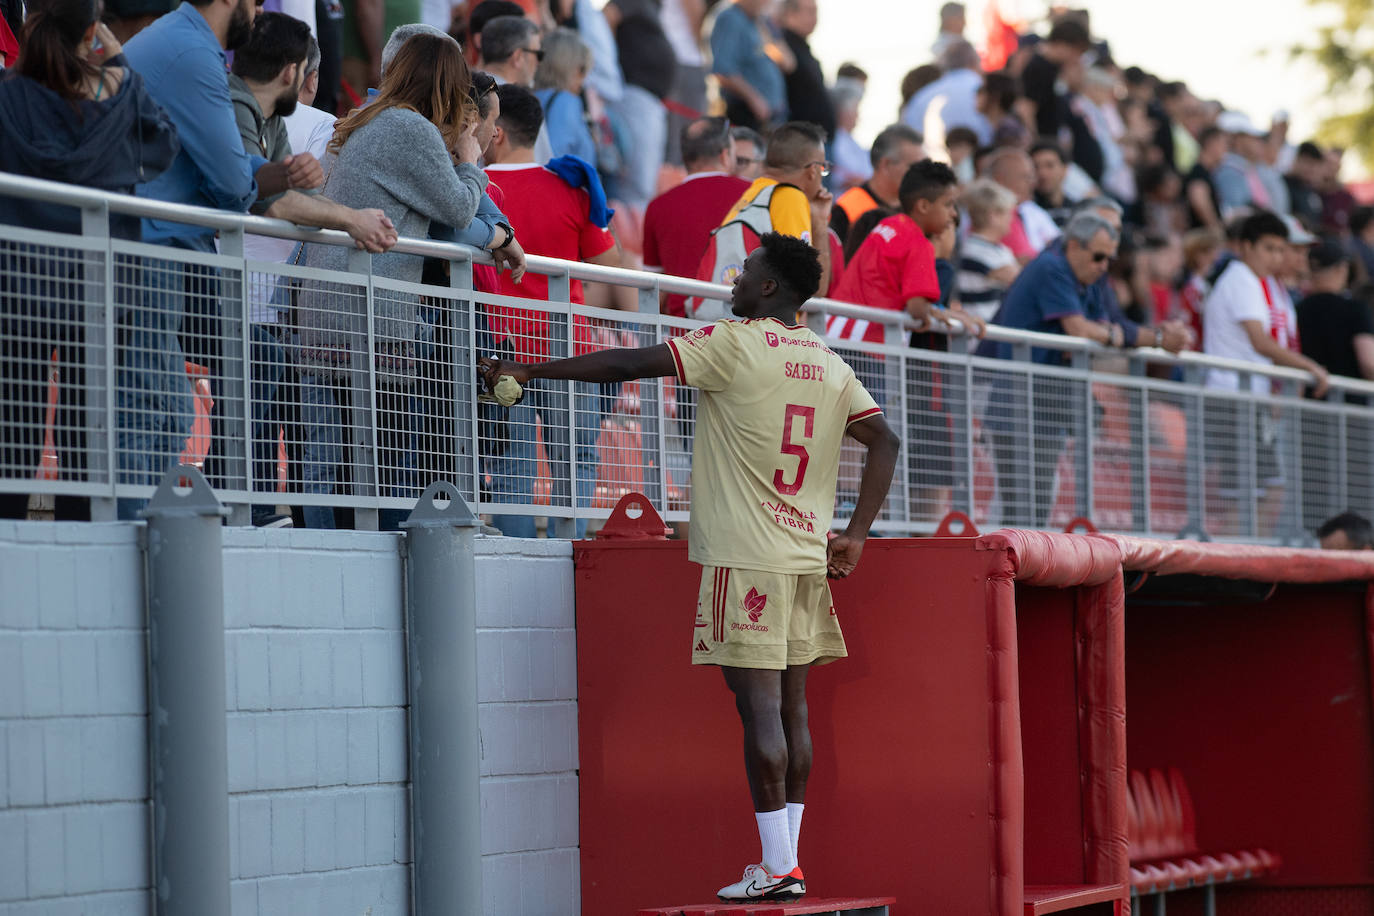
{"x": 809, "y": 372}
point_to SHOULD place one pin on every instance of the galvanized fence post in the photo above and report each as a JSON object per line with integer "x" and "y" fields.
{"x": 186, "y": 705}
{"x": 445, "y": 756}
{"x": 98, "y": 332}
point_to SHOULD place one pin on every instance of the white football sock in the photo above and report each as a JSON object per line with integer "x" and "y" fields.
{"x": 794, "y": 816}
{"x": 777, "y": 841}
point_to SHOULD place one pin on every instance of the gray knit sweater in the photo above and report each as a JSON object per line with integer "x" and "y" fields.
{"x": 397, "y": 163}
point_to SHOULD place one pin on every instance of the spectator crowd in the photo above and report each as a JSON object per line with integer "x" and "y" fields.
{"x": 1038, "y": 184}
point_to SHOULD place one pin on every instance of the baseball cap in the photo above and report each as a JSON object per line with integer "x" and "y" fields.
{"x": 1297, "y": 232}
{"x": 1238, "y": 122}
{"x": 1327, "y": 254}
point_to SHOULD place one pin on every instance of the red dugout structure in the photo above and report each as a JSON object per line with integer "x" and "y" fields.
{"x": 982, "y": 707}
{"x": 971, "y": 754}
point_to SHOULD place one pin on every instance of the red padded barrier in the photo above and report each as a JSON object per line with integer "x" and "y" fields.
{"x": 918, "y": 786}
{"x": 1006, "y": 775}
{"x": 1242, "y": 561}
{"x": 1100, "y": 637}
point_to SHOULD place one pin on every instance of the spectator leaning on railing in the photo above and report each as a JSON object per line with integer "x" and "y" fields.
{"x": 423, "y": 108}
{"x": 265, "y": 86}
{"x": 1242, "y": 321}
{"x": 181, "y": 56}
{"x": 557, "y": 217}
{"x": 80, "y": 116}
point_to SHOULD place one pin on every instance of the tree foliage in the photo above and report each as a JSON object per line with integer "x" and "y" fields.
{"x": 1344, "y": 50}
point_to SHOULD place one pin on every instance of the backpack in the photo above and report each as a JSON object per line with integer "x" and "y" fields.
{"x": 730, "y": 244}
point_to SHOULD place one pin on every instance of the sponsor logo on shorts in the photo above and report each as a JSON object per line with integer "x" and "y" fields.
{"x": 753, "y": 605}
{"x": 702, "y": 647}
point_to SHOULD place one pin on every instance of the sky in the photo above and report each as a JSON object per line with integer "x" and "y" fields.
{"x": 1217, "y": 46}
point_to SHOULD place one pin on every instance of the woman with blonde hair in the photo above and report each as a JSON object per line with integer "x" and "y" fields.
{"x": 411, "y": 153}
{"x": 558, "y": 86}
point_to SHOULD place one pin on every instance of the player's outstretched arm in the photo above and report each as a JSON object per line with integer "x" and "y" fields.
{"x": 842, "y": 552}
{"x": 620, "y": 365}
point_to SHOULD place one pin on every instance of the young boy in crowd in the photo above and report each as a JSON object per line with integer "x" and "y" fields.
{"x": 894, "y": 268}
{"x": 986, "y": 266}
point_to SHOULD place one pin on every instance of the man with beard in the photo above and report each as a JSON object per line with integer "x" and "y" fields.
{"x": 265, "y": 86}
{"x": 181, "y": 60}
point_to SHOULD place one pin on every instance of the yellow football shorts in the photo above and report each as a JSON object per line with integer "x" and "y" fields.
{"x": 752, "y": 619}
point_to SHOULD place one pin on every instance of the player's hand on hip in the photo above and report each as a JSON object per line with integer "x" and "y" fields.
{"x": 842, "y": 555}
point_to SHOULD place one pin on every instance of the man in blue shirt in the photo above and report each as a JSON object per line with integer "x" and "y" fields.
{"x": 181, "y": 60}
{"x": 753, "y": 85}
{"x": 1052, "y": 296}
{"x": 1064, "y": 290}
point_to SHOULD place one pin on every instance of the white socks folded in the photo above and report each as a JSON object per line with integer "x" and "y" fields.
{"x": 794, "y": 816}
{"x": 776, "y": 837}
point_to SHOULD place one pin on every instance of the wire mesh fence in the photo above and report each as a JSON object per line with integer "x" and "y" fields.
{"x": 294, "y": 385}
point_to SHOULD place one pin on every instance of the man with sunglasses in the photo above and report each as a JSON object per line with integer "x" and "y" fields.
{"x": 790, "y": 198}
{"x": 512, "y": 47}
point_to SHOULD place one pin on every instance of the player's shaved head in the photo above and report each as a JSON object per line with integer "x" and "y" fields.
{"x": 793, "y": 263}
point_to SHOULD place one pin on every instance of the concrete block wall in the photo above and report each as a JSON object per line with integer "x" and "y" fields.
{"x": 527, "y": 688}
{"x": 316, "y": 690}
{"x": 73, "y": 732}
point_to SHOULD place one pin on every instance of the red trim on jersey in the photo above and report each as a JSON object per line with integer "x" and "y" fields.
{"x": 863, "y": 415}
{"x": 790, "y": 327}
{"x": 677, "y": 361}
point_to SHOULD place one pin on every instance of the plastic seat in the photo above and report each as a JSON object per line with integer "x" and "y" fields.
{"x": 1252, "y": 863}
{"x": 1148, "y": 810}
{"x": 1147, "y": 879}
{"x": 1172, "y": 840}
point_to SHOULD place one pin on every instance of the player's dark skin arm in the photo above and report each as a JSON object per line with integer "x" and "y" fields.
{"x": 620, "y": 365}
{"x": 842, "y": 552}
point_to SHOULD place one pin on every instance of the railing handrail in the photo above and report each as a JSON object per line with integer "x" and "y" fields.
{"x": 77, "y": 196}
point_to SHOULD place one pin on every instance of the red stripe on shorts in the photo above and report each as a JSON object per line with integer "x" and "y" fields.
{"x": 724, "y": 592}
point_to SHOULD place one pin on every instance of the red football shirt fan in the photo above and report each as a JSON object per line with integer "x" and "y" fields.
{"x": 550, "y": 218}
{"x": 894, "y": 264}
{"x": 678, "y": 224}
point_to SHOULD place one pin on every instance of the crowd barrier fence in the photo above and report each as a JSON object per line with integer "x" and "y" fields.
{"x": 293, "y": 385}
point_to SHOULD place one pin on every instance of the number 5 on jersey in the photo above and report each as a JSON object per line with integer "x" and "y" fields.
{"x": 792, "y": 447}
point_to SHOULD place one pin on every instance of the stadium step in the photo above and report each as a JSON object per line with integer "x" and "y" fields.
{"x": 827, "y": 906}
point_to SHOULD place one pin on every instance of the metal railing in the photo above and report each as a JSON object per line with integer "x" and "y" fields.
{"x": 120, "y": 357}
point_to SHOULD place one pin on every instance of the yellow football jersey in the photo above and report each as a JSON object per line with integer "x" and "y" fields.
{"x": 775, "y": 404}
